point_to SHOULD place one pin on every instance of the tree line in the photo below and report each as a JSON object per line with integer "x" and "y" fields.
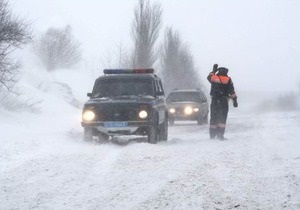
{"x": 57, "y": 48}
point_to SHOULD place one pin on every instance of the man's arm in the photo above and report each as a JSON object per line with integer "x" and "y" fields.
{"x": 232, "y": 93}
{"x": 213, "y": 72}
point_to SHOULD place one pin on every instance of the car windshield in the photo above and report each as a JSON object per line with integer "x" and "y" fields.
{"x": 123, "y": 87}
{"x": 184, "y": 96}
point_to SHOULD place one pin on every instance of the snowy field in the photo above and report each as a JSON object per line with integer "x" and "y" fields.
{"x": 44, "y": 164}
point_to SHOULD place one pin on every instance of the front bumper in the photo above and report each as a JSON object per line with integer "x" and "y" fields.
{"x": 131, "y": 127}
{"x": 176, "y": 116}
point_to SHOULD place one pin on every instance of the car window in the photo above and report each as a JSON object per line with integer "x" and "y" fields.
{"x": 123, "y": 86}
{"x": 159, "y": 86}
{"x": 184, "y": 96}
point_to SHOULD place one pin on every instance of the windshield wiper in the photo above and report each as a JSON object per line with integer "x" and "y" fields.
{"x": 125, "y": 96}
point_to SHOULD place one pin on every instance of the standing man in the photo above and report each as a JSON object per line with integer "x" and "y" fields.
{"x": 221, "y": 91}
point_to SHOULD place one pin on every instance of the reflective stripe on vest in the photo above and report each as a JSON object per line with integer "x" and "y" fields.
{"x": 220, "y": 79}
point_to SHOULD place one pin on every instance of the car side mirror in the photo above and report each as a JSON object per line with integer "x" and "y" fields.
{"x": 89, "y": 94}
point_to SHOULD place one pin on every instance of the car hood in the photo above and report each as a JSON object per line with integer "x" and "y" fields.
{"x": 121, "y": 99}
{"x": 182, "y": 103}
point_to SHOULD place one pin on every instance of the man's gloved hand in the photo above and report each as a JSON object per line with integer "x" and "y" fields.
{"x": 235, "y": 103}
{"x": 215, "y": 68}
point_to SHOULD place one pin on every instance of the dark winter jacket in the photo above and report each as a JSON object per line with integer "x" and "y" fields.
{"x": 221, "y": 85}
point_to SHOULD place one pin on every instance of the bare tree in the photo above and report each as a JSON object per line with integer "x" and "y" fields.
{"x": 122, "y": 56}
{"x": 178, "y": 69}
{"x": 14, "y": 33}
{"x": 57, "y": 48}
{"x": 169, "y": 59}
{"x": 118, "y": 58}
{"x": 145, "y": 31}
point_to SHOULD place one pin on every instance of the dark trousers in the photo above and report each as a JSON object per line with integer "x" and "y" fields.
{"x": 218, "y": 117}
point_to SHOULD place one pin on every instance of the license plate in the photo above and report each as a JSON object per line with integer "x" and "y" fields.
{"x": 115, "y": 124}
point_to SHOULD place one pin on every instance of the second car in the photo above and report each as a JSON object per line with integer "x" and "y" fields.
{"x": 187, "y": 105}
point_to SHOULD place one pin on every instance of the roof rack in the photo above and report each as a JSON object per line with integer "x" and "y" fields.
{"x": 129, "y": 71}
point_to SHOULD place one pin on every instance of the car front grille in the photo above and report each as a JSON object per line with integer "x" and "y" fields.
{"x": 119, "y": 112}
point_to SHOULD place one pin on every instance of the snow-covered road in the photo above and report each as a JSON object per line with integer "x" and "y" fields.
{"x": 52, "y": 168}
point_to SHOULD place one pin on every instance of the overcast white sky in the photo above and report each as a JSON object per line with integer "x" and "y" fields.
{"x": 258, "y": 40}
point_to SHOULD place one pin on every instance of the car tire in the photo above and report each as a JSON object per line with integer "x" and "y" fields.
{"x": 171, "y": 122}
{"x": 205, "y": 119}
{"x": 153, "y": 132}
{"x": 103, "y": 138}
{"x": 200, "y": 120}
{"x": 163, "y": 131}
{"x": 88, "y": 134}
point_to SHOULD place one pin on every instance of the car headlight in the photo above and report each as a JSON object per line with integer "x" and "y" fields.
{"x": 188, "y": 110}
{"x": 172, "y": 110}
{"x": 196, "y": 109}
{"x": 88, "y": 115}
{"x": 143, "y": 114}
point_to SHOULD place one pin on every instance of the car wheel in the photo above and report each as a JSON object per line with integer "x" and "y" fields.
{"x": 153, "y": 132}
{"x": 171, "y": 122}
{"x": 88, "y": 134}
{"x": 199, "y": 120}
{"x": 103, "y": 138}
{"x": 163, "y": 131}
{"x": 205, "y": 119}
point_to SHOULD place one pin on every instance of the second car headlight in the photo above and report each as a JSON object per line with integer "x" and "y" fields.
{"x": 143, "y": 114}
{"x": 88, "y": 115}
{"x": 188, "y": 110}
{"x": 172, "y": 110}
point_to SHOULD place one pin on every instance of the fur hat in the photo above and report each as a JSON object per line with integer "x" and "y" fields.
{"x": 222, "y": 71}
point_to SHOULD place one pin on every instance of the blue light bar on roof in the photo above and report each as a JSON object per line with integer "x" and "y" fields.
{"x": 128, "y": 71}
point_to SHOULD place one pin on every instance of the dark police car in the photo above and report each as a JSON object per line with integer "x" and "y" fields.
{"x": 187, "y": 105}
{"x": 126, "y": 102}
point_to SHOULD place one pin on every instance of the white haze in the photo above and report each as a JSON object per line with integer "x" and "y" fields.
{"x": 44, "y": 164}
{"x": 257, "y": 40}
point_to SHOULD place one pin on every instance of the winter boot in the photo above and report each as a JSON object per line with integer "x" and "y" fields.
{"x": 220, "y": 133}
{"x": 212, "y": 133}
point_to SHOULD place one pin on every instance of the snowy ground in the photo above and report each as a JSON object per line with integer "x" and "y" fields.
{"x": 44, "y": 164}
{"x": 49, "y": 167}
